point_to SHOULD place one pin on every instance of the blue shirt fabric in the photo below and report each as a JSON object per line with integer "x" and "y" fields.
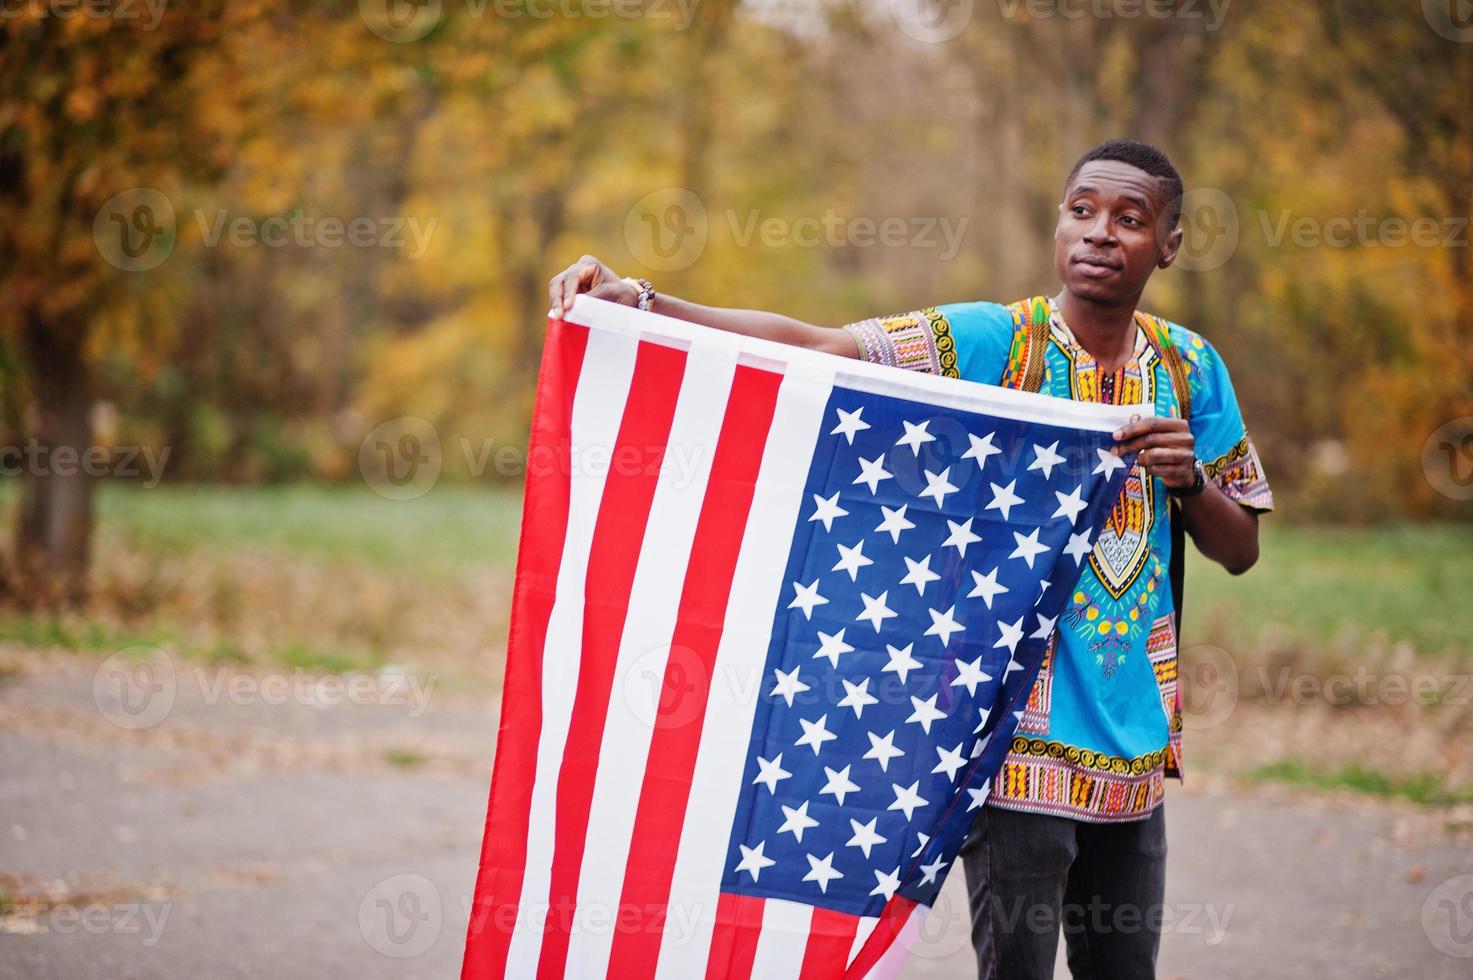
{"x": 1103, "y": 724}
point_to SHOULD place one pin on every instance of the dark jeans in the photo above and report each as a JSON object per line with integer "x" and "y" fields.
{"x": 1028, "y": 874}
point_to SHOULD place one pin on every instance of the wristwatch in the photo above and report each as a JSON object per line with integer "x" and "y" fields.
{"x": 1198, "y": 485}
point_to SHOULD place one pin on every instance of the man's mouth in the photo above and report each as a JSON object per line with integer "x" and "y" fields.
{"x": 1096, "y": 264}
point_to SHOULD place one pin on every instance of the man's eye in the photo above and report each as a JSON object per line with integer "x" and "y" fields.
{"x": 1131, "y": 219}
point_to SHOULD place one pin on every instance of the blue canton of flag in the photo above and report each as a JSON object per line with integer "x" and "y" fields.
{"x": 933, "y": 555}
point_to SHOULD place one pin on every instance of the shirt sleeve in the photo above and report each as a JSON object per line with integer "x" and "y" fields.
{"x": 1223, "y": 444}
{"x": 958, "y": 340}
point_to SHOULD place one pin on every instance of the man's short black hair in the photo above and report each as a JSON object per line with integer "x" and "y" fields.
{"x": 1142, "y": 156}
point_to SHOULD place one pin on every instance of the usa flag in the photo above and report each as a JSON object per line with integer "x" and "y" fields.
{"x": 776, "y": 617}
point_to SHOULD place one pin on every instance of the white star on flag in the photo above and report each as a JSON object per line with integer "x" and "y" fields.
{"x": 839, "y": 784}
{"x": 807, "y": 598}
{"x": 888, "y": 885}
{"x": 1078, "y": 546}
{"x": 982, "y": 449}
{"x": 1028, "y": 547}
{"x": 1003, "y": 498}
{"x": 832, "y": 645}
{"x": 865, "y": 836}
{"x": 907, "y": 799}
{"x": 930, "y": 871}
{"x": 951, "y": 760}
{"x": 852, "y": 559}
{"x": 772, "y": 773}
{"x": 753, "y": 860}
{"x": 1011, "y": 634}
{"x": 943, "y": 624}
{"x": 828, "y": 509}
{"x": 925, "y": 712}
{"x": 938, "y": 486}
{"x": 895, "y": 521}
{"x": 822, "y": 871}
{"x": 961, "y": 535}
{"x": 900, "y": 660}
{"x": 1045, "y": 459}
{"x": 798, "y": 820}
{"x": 970, "y": 674}
{"x": 1070, "y": 504}
{"x": 915, "y": 436}
{"x": 1045, "y": 627}
{"x": 786, "y": 685}
{"x": 857, "y": 696}
{"x": 875, "y": 610}
{"x": 849, "y": 424}
{"x": 815, "y": 733}
{"x": 882, "y": 750}
{"x": 871, "y": 472}
{"x": 1108, "y": 463}
{"x": 919, "y": 574}
{"x": 987, "y": 587}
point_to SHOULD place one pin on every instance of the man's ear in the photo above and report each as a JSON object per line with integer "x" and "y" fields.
{"x": 1170, "y": 247}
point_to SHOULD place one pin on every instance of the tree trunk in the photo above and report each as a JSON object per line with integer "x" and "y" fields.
{"x": 54, "y": 529}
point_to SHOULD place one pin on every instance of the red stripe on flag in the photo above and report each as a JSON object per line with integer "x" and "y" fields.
{"x": 683, "y": 697}
{"x": 830, "y": 938}
{"x": 734, "y": 940}
{"x": 618, "y": 535}
{"x": 539, "y": 557}
{"x": 896, "y": 913}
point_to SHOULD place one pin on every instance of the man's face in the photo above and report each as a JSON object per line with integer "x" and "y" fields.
{"x": 1111, "y": 233}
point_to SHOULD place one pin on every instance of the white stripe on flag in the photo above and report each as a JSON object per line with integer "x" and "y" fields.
{"x": 861, "y": 933}
{"x": 736, "y": 680}
{"x": 888, "y": 967}
{"x": 598, "y": 409}
{"x": 782, "y": 941}
{"x": 654, "y": 601}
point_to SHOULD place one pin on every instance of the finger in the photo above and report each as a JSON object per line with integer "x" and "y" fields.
{"x": 1158, "y": 458}
{"x": 1173, "y": 440}
{"x": 1156, "y": 423}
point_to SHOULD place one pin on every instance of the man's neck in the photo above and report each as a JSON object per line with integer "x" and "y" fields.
{"x": 1106, "y": 331}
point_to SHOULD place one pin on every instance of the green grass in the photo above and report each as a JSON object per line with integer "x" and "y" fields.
{"x": 1406, "y": 583}
{"x": 450, "y": 527}
{"x": 1428, "y": 789}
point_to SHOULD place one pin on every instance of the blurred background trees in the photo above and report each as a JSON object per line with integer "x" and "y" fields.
{"x": 483, "y": 147}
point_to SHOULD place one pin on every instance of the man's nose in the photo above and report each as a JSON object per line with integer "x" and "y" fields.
{"x": 1100, "y": 231}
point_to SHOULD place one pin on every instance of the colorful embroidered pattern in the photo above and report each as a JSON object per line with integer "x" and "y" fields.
{"x": 918, "y": 341}
{"x": 1049, "y": 777}
{"x": 1035, "y": 713}
{"x": 1239, "y": 475}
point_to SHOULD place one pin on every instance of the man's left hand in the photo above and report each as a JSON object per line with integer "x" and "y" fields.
{"x": 1166, "y": 446}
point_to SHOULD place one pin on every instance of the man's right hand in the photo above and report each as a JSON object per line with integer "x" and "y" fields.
{"x": 588, "y": 275}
